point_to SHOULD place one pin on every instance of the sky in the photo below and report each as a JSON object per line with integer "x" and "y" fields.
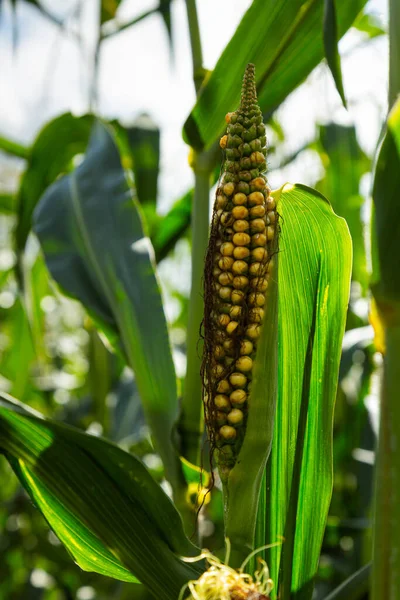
{"x": 49, "y": 74}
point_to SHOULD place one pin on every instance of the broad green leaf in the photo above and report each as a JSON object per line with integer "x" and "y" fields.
{"x": 285, "y": 42}
{"x": 355, "y": 587}
{"x": 331, "y": 46}
{"x": 314, "y": 282}
{"x": 172, "y": 226}
{"x": 144, "y": 143}
{"x": 50, "y": 156}
{"x": 92, "y": 236}
{"x": 99, "y": 500}
{"x": 386, "y": 289}
{"x": 13, "y": 148}
{"x": 345, "y": 163}
{"x": 369, "y": 24}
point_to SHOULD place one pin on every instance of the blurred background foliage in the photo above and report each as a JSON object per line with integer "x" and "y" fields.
{"x": 130, "y": 64}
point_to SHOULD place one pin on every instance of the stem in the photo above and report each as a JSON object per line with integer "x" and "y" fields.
{"x": 191, "y": 421}
{"x": 123, "y": 26}
{"x": 394, "y": 51}
{"x": 195, "y": 42}
{"x": 386, "y": 550}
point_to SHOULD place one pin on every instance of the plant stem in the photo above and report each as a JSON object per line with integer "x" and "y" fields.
{"x": 394, "y": 51}
{"x": 195, "y": 42}
{"x": 191, "y": 422}
{"x": 386, "y": 551}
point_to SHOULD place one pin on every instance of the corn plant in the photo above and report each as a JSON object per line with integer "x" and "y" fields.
{"x": 270, "y": 288}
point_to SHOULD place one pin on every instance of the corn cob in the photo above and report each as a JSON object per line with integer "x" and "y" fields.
{"x": 237, "y": 271}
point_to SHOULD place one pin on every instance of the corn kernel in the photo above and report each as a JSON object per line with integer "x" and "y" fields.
{"x": 227, "y": 432}
{"x": 218, "y": 371}
{"x": 244, "y": 364}
{"x": 219, "y": 352}
{"x": 240, "y": 212}
{"x": 227, "y": 249}
{"x": 221, "y": 418}
{"x": 270, "y": 232}
{"x": 222, "y": 201}
{"x": 238, "y": 380}
{"x": 255, "y": 269}
{"x": 225, "y": 292}
{"x": 229, "y": 188}
{"x": 256, "y": 299}
{"x": 253, "y": 331}
{"x": 271, "y": 216}
{"x": 240, "y": 225}
{"x": 239, "y": 199}
{"x": 256, "y": 198}
{"x": 271, "y": 203}
{"x": 259, "y": 284}
{"x": 225, "y": 278}
{"x": 238, "y": 397}
{"x": 256, "y": 315}
{"x": 257, "y": 211}
{"x": 223, "y": 320}
{"x": 231, "y": 327}
{"x": 235, "y": 417}
{"x": 239, "y": 267}
{"x": 258, "y": 183}
{"x": 246, "y": 347}
{"x": 235, "y": 312}
{"x": 225, "y": 263}
{"x": 260, "y": 254}
{"x": 258, "y": 239}
{"x": 222, "y": 142}
{"x": 241, "y": 239}
{"x": 240, "y": 282}
{"x": 222, "y": 402}
{"x": 216, "y": 272}
{"x": 257, "y": 225}
{"x": 237, "y": 297}
{"x": 241, "y": 252}
{"x": 223, "y": 386}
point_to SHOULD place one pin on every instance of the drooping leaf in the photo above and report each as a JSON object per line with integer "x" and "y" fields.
{"x": 91, "y": 233}
{"x": 355, "y": 587}
{"x": 50, "y": 156}
{"x": 314, "y": 282}
{"x": 13, "y": 148}
{"x": 99, "y": 500}
{"x": 172, "y": 226}
{"x": 284, "y": 40}
{"x": 144, "y": 144}
{"x": 345, "y": 163}
{"x": 331, "y": 46}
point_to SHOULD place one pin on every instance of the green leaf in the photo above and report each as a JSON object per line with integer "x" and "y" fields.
{"x": 13, "y": 148}
{"x": 173, "y": 226}
{"x": 314, "y": 282}
{"x": 345, "y": 163}
{"x": 284, "y": 40}
{"x": 51, "y": 155}
{"x": 369, "y": 24}
{"x": 92, "y": 236}
{"x": 144, "y": 143}
{"x": 355, "y": 587}
{"x": 99, "y": 500}
{"x": 331, "y": 46}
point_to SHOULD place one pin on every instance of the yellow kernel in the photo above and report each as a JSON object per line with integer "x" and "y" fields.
{"x": 227, "y": 249}
{"x": 222, "y": 402}
{"x": 239, "y": 267}
{"x": 256, "y": 299}
{"x": 258, "y": 225}
{"x": 225, "y": 218}
{"x": 225, "y": 293}
{"x": 271, "y": 216}
{"x": 239, "y": 199}
{"x": 229, "y": 345}
{"x": 230, "y": 328}
{"x": 270, "y": 232}
{"x": 235, "y": 312}
{"x": 225, "y": 263}
{"x": 246, "y": 347}
{"x": 240, "y": 212}
{"x": 244, "y": 364}
{"x": 258, "y": 183}
{"x": 256, "y": 315}
{"x": 217, "y": 286}
{"x": 257, "y": 211}
{"x": 241, "y": 225}
{"x": 238, "y": 397}
{"x": 271, "y": 203}
{"x": 260, "y": 254}
{"x": 223, "y": 320}
{"x": 240, "y": 282}
{"x": 235, "y": 416}
{"x": 241, "y": 252}
{"x": 223, "y": 386}
{"x": 270, "y": 265}
{"x": 221, "y": 201}
{"x": 229, "y": 188}
{"x": 217, "y": 257}
{"x": 222, "y": 142}
{"x": 237, "y": 297}
{"x": 225, "y": 278}
{"x": 259, "y": 284}
{"x": 238, "y": 380}
{"x": 257, "y": 157}
{"x": 227, "y": 432}
{"x": 219, "y": 336}
{"x": 228, "y": 117}
{"x": 255, "y": 269}
{"x": 253, "y": 331}
{"x": 258, "y": 239}
{"x": 216, "y": 272}
{"x": 256, "y": 198}
{"x": 241, "y": 239}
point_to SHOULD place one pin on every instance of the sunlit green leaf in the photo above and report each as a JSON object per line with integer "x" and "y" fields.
{"x": 285, "y": 42}
{"x": 331, "y": 45}
{"x": 91, "y": 233}
{"x": 99, "y": 500}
